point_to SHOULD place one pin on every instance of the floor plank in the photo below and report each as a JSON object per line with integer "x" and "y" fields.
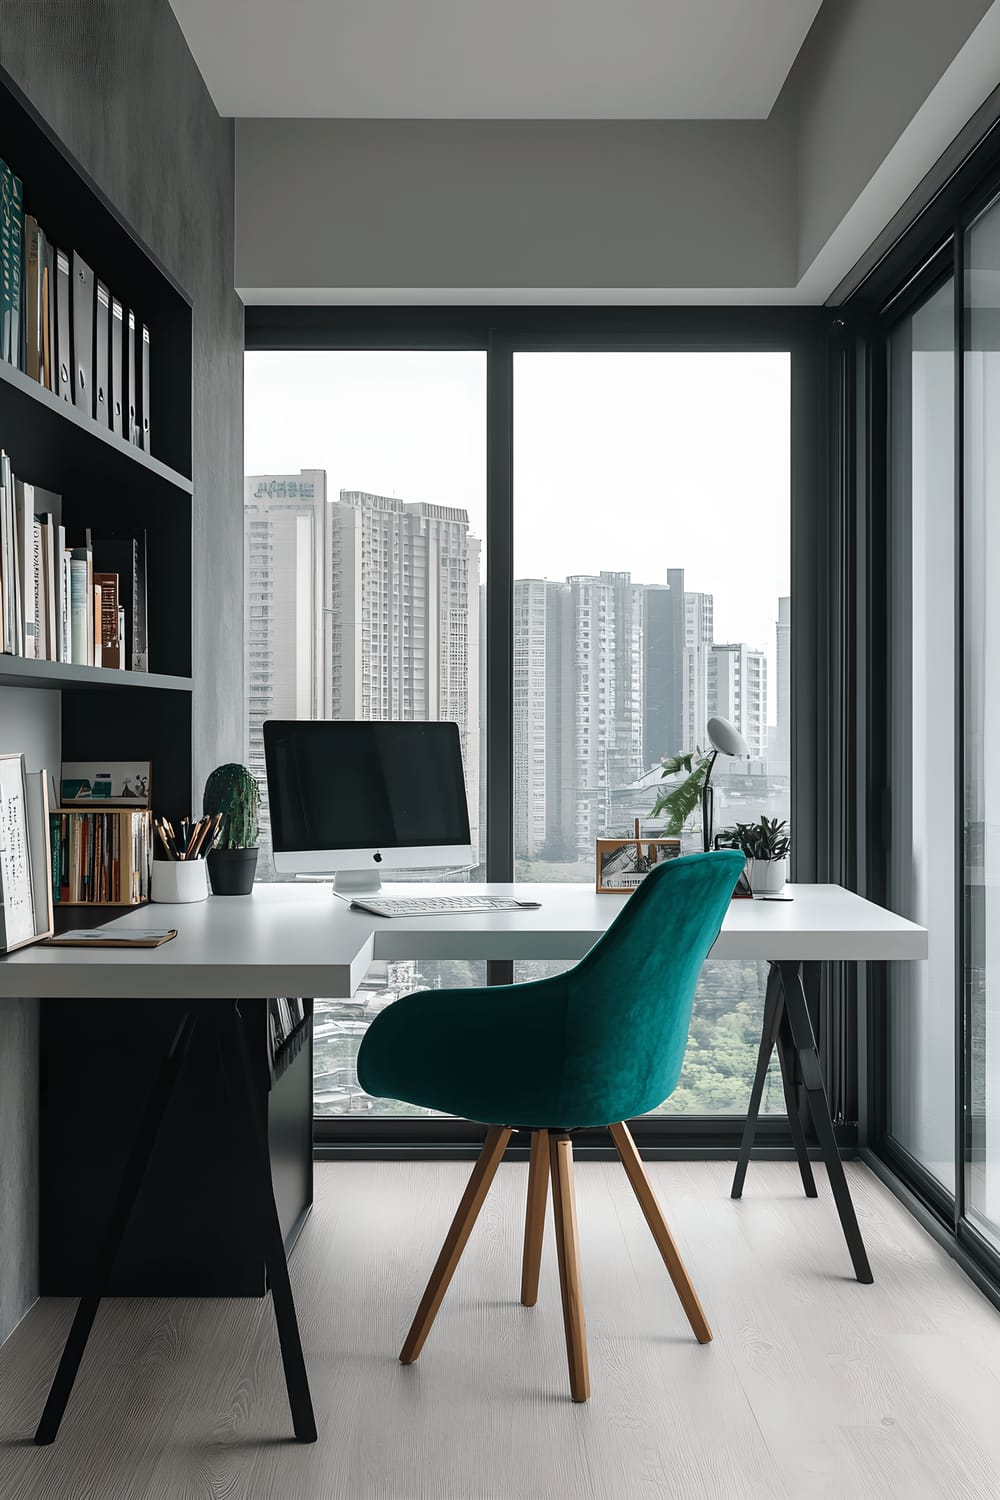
{"x": 813, "y": 1385}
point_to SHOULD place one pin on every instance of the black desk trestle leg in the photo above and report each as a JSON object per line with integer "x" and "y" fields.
{"x": 769, "y": 1031}
{"x": 789, "y": 1084}
{"x": 128, "y": 1192}
{"x": 812, "y": 1077}
{"x": 787, "y": 1025}
{"x": 240, "y": 1079}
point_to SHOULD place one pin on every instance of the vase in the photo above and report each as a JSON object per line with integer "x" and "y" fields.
{"x": 231, "y": 871}
{"x": 766, "y": 876}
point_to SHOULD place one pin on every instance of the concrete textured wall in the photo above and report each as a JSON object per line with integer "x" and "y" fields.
{"x": 115, "y": 80}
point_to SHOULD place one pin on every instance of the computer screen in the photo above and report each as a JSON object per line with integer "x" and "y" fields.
{"x": 384, "y": 791}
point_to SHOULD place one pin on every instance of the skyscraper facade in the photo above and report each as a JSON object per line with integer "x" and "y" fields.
{"x": 782, "y": 752}
{"x": 285, "y": 594}
{"x": 699, "y": 627}
{"x": 663, "y": 668}
{"x": 737, "y": 690}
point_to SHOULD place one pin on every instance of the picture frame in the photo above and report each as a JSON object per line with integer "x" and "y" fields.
{"x": 623, "y": 863}
{"x": 25, "y": 858}
{"x": 114, "y": 783}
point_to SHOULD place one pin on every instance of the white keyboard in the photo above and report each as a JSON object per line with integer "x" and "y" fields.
{"x": 435, "y": 906}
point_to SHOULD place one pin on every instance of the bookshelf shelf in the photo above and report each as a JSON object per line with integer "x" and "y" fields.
{"x": 52, "y": 442}
{"x": 20, "y": 671}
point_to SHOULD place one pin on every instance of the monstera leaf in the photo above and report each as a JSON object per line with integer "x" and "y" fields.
{"x": 680, "y": 802}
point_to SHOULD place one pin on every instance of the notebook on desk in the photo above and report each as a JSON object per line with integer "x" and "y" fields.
{"x": 108, "y": 937}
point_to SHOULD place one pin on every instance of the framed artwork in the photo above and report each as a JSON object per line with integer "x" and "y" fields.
{"x": 25, "y": 860}
{"x": 623, "y": 863}
{"x": 114, "y": 783}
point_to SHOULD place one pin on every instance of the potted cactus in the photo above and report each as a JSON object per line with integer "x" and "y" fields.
{"x": 232, "y": 791}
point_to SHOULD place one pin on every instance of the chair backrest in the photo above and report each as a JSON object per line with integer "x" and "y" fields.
{"x": 628, "y": 1002}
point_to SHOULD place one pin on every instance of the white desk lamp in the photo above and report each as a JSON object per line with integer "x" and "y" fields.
{"x": 725, "y": 740}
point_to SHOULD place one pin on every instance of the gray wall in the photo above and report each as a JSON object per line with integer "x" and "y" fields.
{"x": 115, "y": 80}
{"x": 863, "y": 72}
{"x": 349, "y": 207}
{"x": 513, "y": 203}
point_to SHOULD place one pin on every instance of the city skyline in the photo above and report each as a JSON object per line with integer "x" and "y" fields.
{"x": 361, "y": 605}
{"x": 672, "y": 456}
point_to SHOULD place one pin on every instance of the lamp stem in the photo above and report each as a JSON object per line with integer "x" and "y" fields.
{"x": 707, "y": 800}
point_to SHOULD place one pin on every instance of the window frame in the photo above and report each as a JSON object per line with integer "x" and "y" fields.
{"x": 817, "y": 575}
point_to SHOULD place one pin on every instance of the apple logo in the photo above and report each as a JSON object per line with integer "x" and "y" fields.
{"x": 377, "y": 857}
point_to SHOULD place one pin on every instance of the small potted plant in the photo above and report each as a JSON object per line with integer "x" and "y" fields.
{"x": 765, "y": 847}
{"x": 232, "y": 791}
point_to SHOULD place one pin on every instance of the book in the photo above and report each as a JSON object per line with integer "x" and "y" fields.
{"x": 82, "y": 301}
{"x": 11, "y": 259}
{"x": 126, "y": 556}
{"x": 142, "y": 394}
{"x": 102, "y": 364}
{"x": 100, "y": 857}
{"x": 29, "y": 561}
{"x": 117, "y": 336}
{"x": 96, "y": 625}
{"x": 49, "y": 292}
{"x": 111, "y": 936}
{"x": 64, "y": 329}
{"x": 130, "y": 431}
{"x": 79, "y": 605}
{"x": 12, "y": 641}
{"x": 34, "y": 259}
{"x": 110, "y": 652}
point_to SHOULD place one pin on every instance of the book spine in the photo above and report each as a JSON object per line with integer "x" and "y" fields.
{"x": 34, "y": 268}
{"x": 79, "y": 606}
{"x": 65, "y": 637}
{"x": 55, "y": 841}
{"x": 37, "y": 575}
{"x": 11, "y": 239}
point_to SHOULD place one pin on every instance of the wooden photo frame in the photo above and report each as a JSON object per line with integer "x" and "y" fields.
{"x": 25, "y": 858}
{"x": 623, "y": 863}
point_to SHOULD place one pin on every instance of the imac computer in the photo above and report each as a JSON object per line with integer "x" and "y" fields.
{"x": 358, "y": 798}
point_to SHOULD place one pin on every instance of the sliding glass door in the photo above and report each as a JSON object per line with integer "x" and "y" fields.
{"x": 981, "y": 412}
{"x": 922, "y": 842}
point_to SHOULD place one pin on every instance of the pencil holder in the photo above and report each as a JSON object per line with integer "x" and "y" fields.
{"x": 176, "y": 880}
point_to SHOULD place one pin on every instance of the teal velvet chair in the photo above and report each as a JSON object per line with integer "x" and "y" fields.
{"x": 595, "y": 1046}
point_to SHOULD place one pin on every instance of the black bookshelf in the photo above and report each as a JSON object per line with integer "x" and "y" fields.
{"x": 194, "y": 1231}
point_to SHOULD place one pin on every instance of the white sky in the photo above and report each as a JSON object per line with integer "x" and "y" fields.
{"x": 641, "y": 462}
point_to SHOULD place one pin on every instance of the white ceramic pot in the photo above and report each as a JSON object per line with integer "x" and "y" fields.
{"x": 177, "y": 880}
{"x": 767, "y": 876}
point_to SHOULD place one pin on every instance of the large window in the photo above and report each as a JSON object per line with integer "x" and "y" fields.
{"x": 640, "y": 492}
{"x": 651, "y": 592}
{"x": 365, "y": 509}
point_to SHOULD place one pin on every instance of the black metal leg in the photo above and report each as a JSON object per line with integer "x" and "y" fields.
{"x": 768, "y": 1035}
{"x": 812, "y": 1077}
{"x": 240, "y": 1077}
{"x": 786, "y": 1059}
{"x": 131, "y": 1183}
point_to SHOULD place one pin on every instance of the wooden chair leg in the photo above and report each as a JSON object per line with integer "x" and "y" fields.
{"x": 568, "y": 1250}
{"x": 643, "y": 1189}
{"x": 534, "y": 1218}
{"x": 451, "y": 1251}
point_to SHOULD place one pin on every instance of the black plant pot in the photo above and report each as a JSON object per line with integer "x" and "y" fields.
{"x": 231, "y": 871}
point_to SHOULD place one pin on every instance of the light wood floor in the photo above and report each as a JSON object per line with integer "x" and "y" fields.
{"x": 814, "y": 1385}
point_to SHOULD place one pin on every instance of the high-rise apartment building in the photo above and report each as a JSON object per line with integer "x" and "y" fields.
{"x": 699, "y": 626}
{"x": 284, "y": 561}
{"x": 737, "y": 691}
{"x": 663, "y": 641}
{"x": 782, "y": 750}
{"x": 403, "y": 638}
{"x": 544, "y": 721}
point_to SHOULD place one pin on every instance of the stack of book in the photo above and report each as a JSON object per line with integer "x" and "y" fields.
{"x": 100, "y": 858}
{"x": 284, "y": 1016}
{"x": 71, "y": 599}
{"x": 61, "y": 325}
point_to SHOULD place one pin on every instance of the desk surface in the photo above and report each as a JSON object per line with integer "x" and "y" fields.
{"x": 298, "y": 939}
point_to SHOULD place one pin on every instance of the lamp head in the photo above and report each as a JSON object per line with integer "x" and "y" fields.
{"x": 726, "y": 738}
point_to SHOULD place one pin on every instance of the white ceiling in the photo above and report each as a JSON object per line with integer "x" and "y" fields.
{"x": 496, "y": 59}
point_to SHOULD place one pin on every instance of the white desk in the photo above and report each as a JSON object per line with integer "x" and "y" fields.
{"x": 298, "y": 939}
